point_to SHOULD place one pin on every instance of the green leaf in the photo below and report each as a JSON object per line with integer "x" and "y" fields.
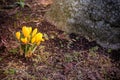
{"x": 45, "y": 36}
{"x": 21, "y": 3}
{"x": 13, "y": 50}
{"x": 10, "y": 71}
{"x": 109, "y": 50}
{"x": 1, "y": 59}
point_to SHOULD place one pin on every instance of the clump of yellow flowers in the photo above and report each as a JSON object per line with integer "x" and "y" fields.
{"x": 29, "y": 40}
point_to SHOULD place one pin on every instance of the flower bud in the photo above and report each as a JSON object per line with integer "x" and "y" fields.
{"x": 18, "y": 35}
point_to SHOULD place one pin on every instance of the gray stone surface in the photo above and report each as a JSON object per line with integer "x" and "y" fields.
{"x": 96, "y": 19}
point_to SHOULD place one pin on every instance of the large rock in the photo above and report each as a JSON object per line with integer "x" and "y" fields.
{"x": 97, "y": 19}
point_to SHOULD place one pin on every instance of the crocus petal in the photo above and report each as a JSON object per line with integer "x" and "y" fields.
{"x": 34, "y": 32}
{"x": 18, "y": 35}
{"x": 25, "y": 31}
{"x": 24, "y": 40}
{"x": 30, "y": 30}
{"x": 33, "y": 40}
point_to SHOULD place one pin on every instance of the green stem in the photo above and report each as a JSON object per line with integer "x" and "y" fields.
{"x": 25, "y": 49}
{"x": 33, "y": 48}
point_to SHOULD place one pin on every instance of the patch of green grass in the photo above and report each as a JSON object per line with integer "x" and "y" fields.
{"x": 18, "y": 15}
{"x": 10, "y": 71}
{"x": 109, "y": 50}
{"x": 14, "y": 51}
{"x": 94, "y": 49}
{"x": 21, "y": 3}
{"x": 72, "y": 57}
{"x": 68, "y": 58}
{"x": 44, "y": 78}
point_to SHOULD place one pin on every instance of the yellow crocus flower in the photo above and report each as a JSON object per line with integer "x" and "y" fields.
{"x": 18, "y": 35}
{"x": 33, "y": 40}
{"x": 30, "y": 38}
{"x": 25, "y": 31}
{"x": 24, "y": 40}
{"x": 30, "y": 29}
{"x": 38, "y": 37}
{"x": 34, "y": 32}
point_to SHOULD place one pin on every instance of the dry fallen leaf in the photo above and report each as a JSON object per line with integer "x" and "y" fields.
{"x": 46, "y": 2}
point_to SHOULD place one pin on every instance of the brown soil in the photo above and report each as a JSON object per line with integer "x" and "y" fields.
{"x": 61, "y": 57}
